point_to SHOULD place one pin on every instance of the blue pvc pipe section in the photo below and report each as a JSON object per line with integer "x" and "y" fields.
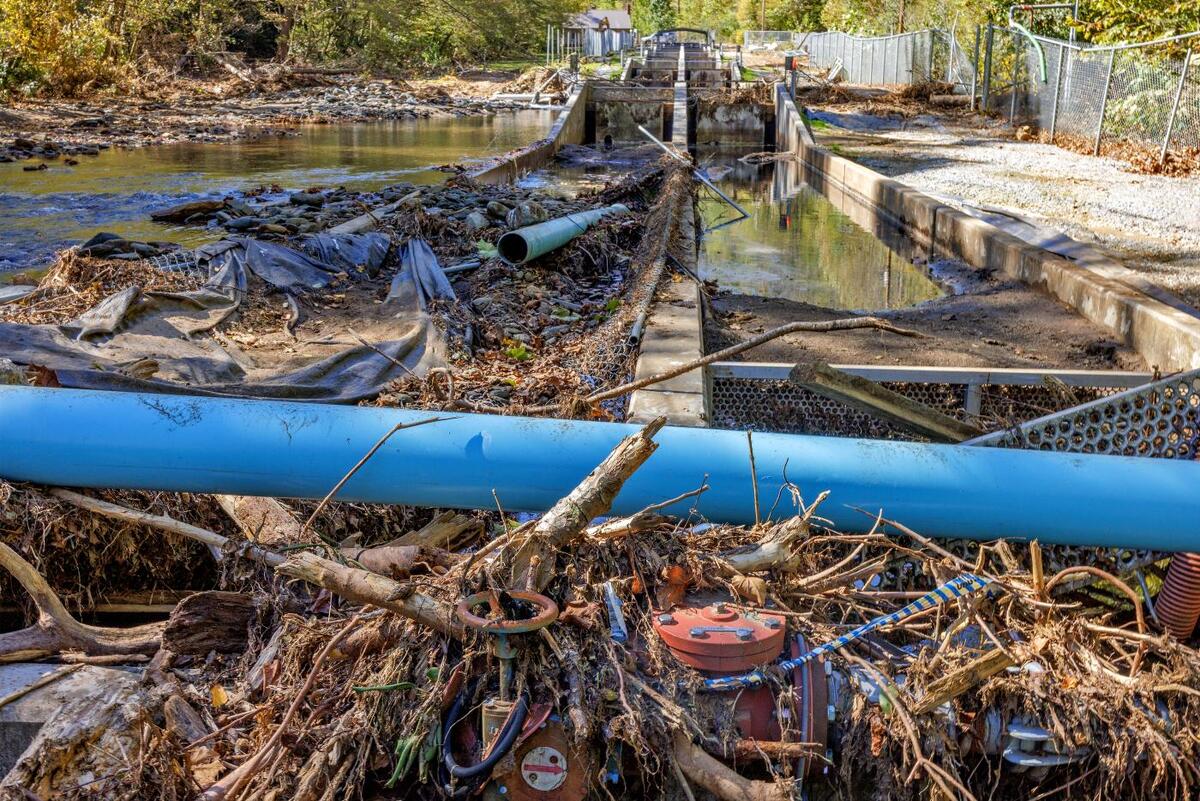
{"x": 85, "y": 438}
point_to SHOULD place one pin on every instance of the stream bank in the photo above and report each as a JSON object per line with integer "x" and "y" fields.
{"x": 34, "y": 130}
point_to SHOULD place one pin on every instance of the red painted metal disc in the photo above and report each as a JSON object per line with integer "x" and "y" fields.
{"x": 721, "y": 639}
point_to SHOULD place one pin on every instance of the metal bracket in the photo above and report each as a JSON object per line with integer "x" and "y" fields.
{"x": 741, "y": 632}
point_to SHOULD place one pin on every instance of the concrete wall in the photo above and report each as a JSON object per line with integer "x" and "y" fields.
{"x": 708, "y": 77}
{"x": 618, "y": 111}
{"x": 730, "y": 124}
{"x": 1165, "y": 337}
{"x": 674, "y": 336}
{"x": 569, "y": 129}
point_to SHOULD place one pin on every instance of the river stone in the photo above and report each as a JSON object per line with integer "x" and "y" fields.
{"x": 145, "y": 250}
{"x": 182, "y": 211}
{"x": 11, "y": 374}
{"x": 526, "y": 214}
{"x": 476, "y": 221}
{"x": 103, "y": 236}
{"x": 497, "y": 209}
{"x": 272, "y": 228}
{"x": 243, "y": 223}
{"x": 307, "y": 199}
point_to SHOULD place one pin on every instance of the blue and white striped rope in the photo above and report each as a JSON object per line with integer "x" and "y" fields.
{"x": 955, "y": 588}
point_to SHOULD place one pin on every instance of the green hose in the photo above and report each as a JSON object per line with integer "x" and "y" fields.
{"x": 1040, "y": 51}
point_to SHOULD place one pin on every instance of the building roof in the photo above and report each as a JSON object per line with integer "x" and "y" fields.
{"x": 618, "y": 19}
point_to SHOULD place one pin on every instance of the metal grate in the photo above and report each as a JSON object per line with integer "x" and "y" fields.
{"x": 758, "y": 398}
{"x": 1157, "y": 420}
{"x": 1161, "y": 419}
{"x": 1165, "y": 413}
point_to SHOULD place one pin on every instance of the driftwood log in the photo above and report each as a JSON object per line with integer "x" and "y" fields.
{"x": 720, "y": 780}
{"x": 87, "y": 740}
{"x": 264, "y": 521}
{"x": 532, "y": 553}
{"x": 210, "y": 621}
{"x": 360, "y": 586}
{"x": 57, "y": 632}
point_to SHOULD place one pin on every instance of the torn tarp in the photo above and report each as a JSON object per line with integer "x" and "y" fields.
{"x": 322, "y": 259}
{"x": 421, "y": 275}
{"x": 157, "y": 341}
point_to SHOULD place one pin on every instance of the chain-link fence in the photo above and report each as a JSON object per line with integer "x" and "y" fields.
{"x": 903, "y": 59}
{"x": 770, "y": 40}
{"x": 1145, "y": 95}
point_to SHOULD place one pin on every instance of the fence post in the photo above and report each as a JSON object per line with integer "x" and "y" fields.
{"x": 975, "y": 68}
{"x": 1058, "y": 83}
{"x": 1012, "y": 106}
{"x": 1175, "y": 106}
{"x": 987, "y": 68}
{"x": 929, "y": 58}
{"x": 1112, "y": 57}
{"x": 950, "y": 58}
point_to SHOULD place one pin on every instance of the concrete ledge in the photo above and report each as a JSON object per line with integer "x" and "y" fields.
{"x": 568, "y": 129}
{"x": 679, "y": 117}
{"x": 1165, "y": 336}
{"x": 674, "y": 336}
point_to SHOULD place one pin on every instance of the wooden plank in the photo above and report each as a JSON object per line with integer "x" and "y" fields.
{"x": 961, "y": 680}
{"x": 879, "y": 401}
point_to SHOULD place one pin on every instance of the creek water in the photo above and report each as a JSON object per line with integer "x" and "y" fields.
{"x": 44, "y": 211}
{"x": 795, "y": 244}
{"x": 799, "y": 246}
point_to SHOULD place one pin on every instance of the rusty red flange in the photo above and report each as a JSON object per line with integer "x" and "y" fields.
{"x": 720, "y": 639}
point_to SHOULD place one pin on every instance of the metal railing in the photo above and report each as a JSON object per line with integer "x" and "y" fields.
{"x": 1144, "y": 94}
{"x": 902, "y": 59}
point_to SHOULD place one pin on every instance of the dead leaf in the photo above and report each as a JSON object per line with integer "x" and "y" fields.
{"x": 584, "y": 614}
{"x": 750, "y": 588}
{"x": 677, "y": 579}
{"x": 219, "y": 696}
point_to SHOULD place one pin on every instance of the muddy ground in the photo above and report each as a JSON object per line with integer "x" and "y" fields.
{"x": 998, "y": 323}
{"x": 228, "y": 109}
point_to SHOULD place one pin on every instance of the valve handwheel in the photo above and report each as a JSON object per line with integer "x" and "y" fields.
{"x": 547, "y": 613}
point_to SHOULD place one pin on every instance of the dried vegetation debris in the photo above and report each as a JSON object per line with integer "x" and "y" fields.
{"x": 331, "y": 661}
{"x": 326, "y": 691}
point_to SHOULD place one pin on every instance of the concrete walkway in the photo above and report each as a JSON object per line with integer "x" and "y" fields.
{"x": 1151, "y": 223}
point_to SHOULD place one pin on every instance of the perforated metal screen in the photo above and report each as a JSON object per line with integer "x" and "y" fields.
{"x": 785, "y": 407}
{"x": 1160, "y": 420}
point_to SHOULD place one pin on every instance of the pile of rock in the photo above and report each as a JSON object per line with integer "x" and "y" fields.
{"x": 285, "y": 214}
{"x": 22, "y": 148}
{"x": 106, "y": 245}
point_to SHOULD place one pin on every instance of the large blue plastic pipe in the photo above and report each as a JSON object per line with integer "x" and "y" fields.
{"x": 85, "y": 438}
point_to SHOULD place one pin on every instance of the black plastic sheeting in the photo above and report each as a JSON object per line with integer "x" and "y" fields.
{"x": 158, "y": 342}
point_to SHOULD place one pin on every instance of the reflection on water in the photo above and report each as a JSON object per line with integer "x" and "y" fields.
{"x": 797, "y": 245}
{"x": 43, "y": 211}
